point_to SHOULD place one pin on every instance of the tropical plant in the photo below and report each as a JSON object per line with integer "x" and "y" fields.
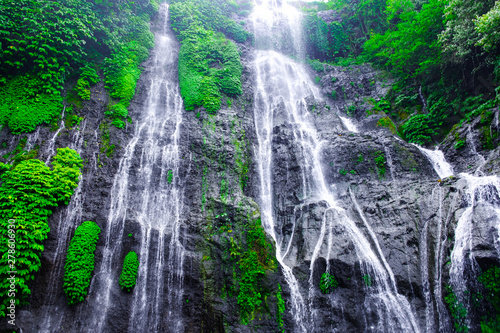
{"x": 80, "y": 262}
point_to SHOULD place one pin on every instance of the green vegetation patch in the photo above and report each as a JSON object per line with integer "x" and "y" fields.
{"x": 328, "y": 283}
{"x": 130, "y": 268}
{"x": 28, "y": 193}
{"x": 80, "y": 262}
{"x": 281, "y": 309}
{"x": 457, "y": 309}
{"x": 209, "y": 65}
{"x": 24, "y": 104}
{"x": 253, "y": 265}
{"x": 387, "y": 123}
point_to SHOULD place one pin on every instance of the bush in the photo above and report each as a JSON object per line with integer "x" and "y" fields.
{"x": 417, "y": 129}
{"x": 209, "y": 65}
{"x": 24, "y": 105}
{"x": 129, "y": 271}
{"x": 28, "y": 193}
{"x": 80, "y": 261}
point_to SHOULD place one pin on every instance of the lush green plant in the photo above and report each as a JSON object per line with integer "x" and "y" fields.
{"x": 28, "y": 193}
{"x": 328, "y": 283}
{"x": 387, "y": 123}
{"x": 368, "y": 280}
{"x": 170, "y": 176}
{"x": 80, "y": 262}
{"x": 253, "y": 265}
{"x": 129, "y": 271}
{"x": 48, "y": 40}
{"x": 210, "y": 15}
{"x": 122, "y": 72}
{"x": 458, "y": 310}
{"x": 88, "y": 77}
{"x": 334, "y": 94}
{"x": 417, "y": 129}
{"x": 209, "y": 65}
{"x": 380, "y": 162}
{"x": 281, "y": 309}
{"x": 24, "y": 104}
{"x": 47, "y": 37}
{"x": 343, "y": 172}
{"x": 460, "y": 144}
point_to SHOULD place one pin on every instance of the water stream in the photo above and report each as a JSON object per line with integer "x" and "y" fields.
{"x": 281, "y": 88}
{"x": 477, "y": 192}
{"x": 147, "y": 192}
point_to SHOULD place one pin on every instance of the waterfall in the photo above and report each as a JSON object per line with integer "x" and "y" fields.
{"x": 281, "y": 87}
{"x": 436, "y": 157}
{"x": 144, "y": 195}
{"x": 478, "y": 191}
{"x": 349, "y": 124}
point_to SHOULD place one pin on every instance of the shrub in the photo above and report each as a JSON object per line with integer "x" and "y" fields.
{"x": 80, "y": 261}
{"x": 209, "y": 65}
{"x": 328, "y": 283}
{"x": 28, "y": 193}
{"x": 24, "y": 105}
{"x": 417, "y": 129}
{"x": 129, "y": 271}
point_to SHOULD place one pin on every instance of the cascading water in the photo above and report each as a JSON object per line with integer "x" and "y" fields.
{"x": 147, "y": 191}
{"x": 479, "y": 191}
{"x": 282, "y": 85}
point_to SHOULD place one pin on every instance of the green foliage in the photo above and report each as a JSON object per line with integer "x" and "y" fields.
{"x": 387, "y": 123}
{"x": 417, "y": 129}
{"x": 411, "y": 48}
{"x": 80, "y": 262}
{"x": 28, "y": 193}
{"x": 122, "y": 72}
{"x": 208, "y": 15}
{"x": 459, "y": 145}
{"x": 129, "y": 271}
{"x": 88, "y": 78}
{"x": 487, "y": 27}
{"x": 343, "y": 172}
{"x": 457, "y": 309}
{"x": 170, "y": 176}
{"x": 380, "y": 162}
{"x": 491, "y": 280}
{"x": 334, "y": 95}
{"x": 50, "y": 40}
{"x": 281, "y": 309}
{"x": 47, "y": 37}
{"x": 325, "y": 40}
{"x": 368, "y": 280}
{"x": 328, "y": 283}
{"x": 460, "y": 36}
{"x": 24, "y": 104}
{"x": 209, "y": 65}
{"x": 253, "y": 265}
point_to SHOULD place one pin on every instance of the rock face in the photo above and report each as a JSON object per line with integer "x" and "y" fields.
{"x": 386, "y": 186}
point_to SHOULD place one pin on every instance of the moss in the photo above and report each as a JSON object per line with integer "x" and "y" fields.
{"x": 387, "y": 123}
{"x": 106, "y": 147}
